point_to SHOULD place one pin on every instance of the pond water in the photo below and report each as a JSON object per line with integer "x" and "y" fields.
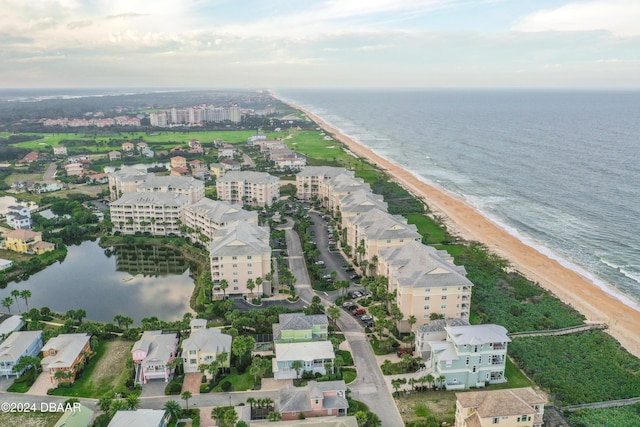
{"x": 136, "y": 281}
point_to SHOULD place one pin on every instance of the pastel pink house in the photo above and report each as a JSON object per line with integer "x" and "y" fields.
{"x": 152, "y": 355}
{"x": 128, "y": 146}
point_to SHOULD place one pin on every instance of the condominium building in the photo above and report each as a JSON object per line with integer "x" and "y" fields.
{"x": 308, "y": 180}
{"x": 156, "y": 213}
{"x": 252, "y": 188}
{"x": 426, "y": 282}
{"x": 190, "y": 187}
{"x": 125, "y": 180}
{"x": 206, "y": 216}
{"x": 238, "y": 253}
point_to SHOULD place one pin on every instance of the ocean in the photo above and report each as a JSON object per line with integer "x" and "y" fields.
{"x": 560, "y": 170}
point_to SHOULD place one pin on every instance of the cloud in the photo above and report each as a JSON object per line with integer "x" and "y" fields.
{"x": 619, "y": 17}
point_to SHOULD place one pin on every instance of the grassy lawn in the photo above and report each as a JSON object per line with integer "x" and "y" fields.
{"x": 29, "y": 419}
{"x": 420, "y": 405}
{"x": 240, "y": 382}
{"x": 105, "y": 374}
{"x": 515, "y": 377}
{"x": 426, "y": 227}
{"x": 348, "y": 375}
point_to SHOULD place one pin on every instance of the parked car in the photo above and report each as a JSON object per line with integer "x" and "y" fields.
{"x": 348, "y": 305}
{"x": 320, "y": 262}
{"x": 355, "y": 294}
{"x": 358, "y": 311}
{"x": 350, "y": 268}
{"x": 355, "y": 277}
{"x": 326, "y": 276}
{"x": 404, "y": 351}
{"x": 366, "y": 317}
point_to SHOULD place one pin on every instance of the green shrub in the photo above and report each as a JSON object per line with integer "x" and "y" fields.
{"x": 225, "y": 385}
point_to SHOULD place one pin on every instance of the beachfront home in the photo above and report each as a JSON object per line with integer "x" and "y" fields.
{"x": 203, "y": 347}
{"x": 252, "y": 188}
{"x": 426, "y": 282}
{"x": 471, "y": 356}
{"x": 433, "y": 331}
{"x": 348, "y": 421}
{"x": 316, "y": 399}
{"x": 237, "y": 253}
{"x": 140, "y": 418}
{"x": 65, "y": 353}
{"x": 300, "y": 327}
{"x": 152, "y": 354}
{"x": 18, "y": 345}
{"x": 315, "y": 356}
{"x": 517, "y": 407}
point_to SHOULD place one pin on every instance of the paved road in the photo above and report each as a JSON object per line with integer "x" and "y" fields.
{"x": 370, "y": 386}
{"x": 50, "y": 172}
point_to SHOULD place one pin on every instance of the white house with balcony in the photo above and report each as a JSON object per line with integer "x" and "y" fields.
{"x": 152, "y": 355}
{"x": 18, "y": 345}
{"x": 313, "y": 355}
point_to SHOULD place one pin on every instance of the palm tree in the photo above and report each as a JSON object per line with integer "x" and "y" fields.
{"x": 173, "y": 408}
{"x": 25, "y": 295}
{"x": 258, "y": 284}
{"x": 186, "y": 395}
{"x": 274, "y": 416}
{"x": 133, "y": 401}
{"x": 441, "y": 379}
{"x": 224, "y": 285}
{"x": 411, "y": 320}
{"x": 297, "y": 366}
{"x": 15, "y": 294}
{"x": 7, "y": 302}
{"x": 334, "y": 313}
{"x": 104, "y": 404}
{"x": 251, "y": 286}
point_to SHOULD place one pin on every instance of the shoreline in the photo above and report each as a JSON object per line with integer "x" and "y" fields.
{"x": 463, "y": 220}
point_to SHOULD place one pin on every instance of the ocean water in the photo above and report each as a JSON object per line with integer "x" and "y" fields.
{"x": 558, "y": 169}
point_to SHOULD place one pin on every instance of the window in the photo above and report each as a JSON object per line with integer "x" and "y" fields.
{"x": 234, "y": 257}
{"x": 192, "y": 352}
{"x": 480, "y": 360}
{"x": 426, "y": 307}
{"x": 235, "y": 281}
{"x": 249, "y": 265}
{"x": 427, "y": 298}
{"x": 444, "y": 289}
{"x": 467, "y": 361}
{"x": 444, "y": 297}
{"x": 496, "y": 420}
{"x": 443, "y": 306}
{"x": 249, "y": 272}
{"x": 248, "y": 256}
{"x": 192, "y": 361}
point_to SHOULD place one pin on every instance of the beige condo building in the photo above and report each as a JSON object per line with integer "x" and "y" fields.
{"x": 251, "y": 188}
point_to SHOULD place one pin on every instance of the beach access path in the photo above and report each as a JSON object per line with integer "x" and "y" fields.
{"x": 576, "y": 290}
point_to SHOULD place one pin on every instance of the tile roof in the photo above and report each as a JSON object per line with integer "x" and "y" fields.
{"x": 208, "y": 341}
{"x": 499, "y": 403}
{"x": 68, "y": 347}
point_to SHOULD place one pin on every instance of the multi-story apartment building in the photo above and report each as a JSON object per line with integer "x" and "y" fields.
{"x": 368, "y": 234}
{"x": 206, "y": 216}
{"x": 308, "y": 180}
{"x": 358, "y": 203}
{"x": 125, "y": 181}
{"x": 238, "y": 253}
{"x": 252, "y": 188}
{"x": 190, "y": 187}
{"x": 516, "y": 407}
{"x": 471, "y": 356}
{"x": 333, "y": 189}
{"x": 426, "y": 282}
{"x": 157, "y": 213}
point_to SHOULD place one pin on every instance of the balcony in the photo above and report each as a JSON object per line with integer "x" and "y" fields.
{"x": 499, "y": 346}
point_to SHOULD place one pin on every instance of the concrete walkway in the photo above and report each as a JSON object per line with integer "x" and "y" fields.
{"x": 192, "y": 382}
{"x": 41, "y": 386}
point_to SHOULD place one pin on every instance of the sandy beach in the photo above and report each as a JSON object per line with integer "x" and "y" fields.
{"x": 467, "y": 223}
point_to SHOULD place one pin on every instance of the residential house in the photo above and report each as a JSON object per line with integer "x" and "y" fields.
{"x": 292, "y": 161}
{"x": 41, "y": 247}
{"x": 21, "y": 240}
{"x": 515, "y": 407}
{"x": 197, "y": 324}
{"x": 30, "y": 157}
{"x": 237, "y": 253}
{"x": 115, "y": 155}
{"x": 45, "y": 187}
{"x": 5, "y": 264}
{"x": 314, "y": 356}
{"x": 252, "y": 188}
{"x": 19, "y": 344}
{"x": 19, "y": 216}
{"x": 98, "y": 178}
{"x": 316, "y": 399}
{"x": 426, "y": 282}
{"x": 74, "y": 169}
{"x": 142, "y": 146}
{"x": 152, "y": 355}
{"x": 9, "y": 325}
{"x": 231, "y": 165}
{"x": 201, "y": 172}
{"x": 128, "y": 147}
{"x": 65, "y": 353}
{"x": 433, "y": 331}
{"x": 216, "y": 170}
{"x": 203, "y": 347}
{"x": 300, "y": 327}
{"x": 226, "y": 151}
{"x": 471, "y": 356}
{"x": 178, "y": 162}
{"x": 349, "y": 421}
{"x": 140, "y": 418}
{"x": 180, "y": 171}
{"x": 79, "y": 416}
{"x": 60, "y": 151}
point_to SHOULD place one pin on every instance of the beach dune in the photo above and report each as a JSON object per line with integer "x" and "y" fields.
{"x": 466, "y": 222}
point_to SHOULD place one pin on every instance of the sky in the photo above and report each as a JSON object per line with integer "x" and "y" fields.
{"x": 320, "y": 43}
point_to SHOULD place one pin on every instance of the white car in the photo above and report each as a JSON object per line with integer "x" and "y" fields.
{"x": 319, "y": 262}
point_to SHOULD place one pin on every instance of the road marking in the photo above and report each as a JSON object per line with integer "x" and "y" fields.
{"x": 326, "y": 294}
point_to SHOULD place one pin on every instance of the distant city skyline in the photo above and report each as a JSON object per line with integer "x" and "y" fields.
{"x": 320, "y": 43}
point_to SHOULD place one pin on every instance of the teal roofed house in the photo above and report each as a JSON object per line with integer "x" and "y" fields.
{"x": 80, "y": 416}
{"x": 298, "y": 327}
